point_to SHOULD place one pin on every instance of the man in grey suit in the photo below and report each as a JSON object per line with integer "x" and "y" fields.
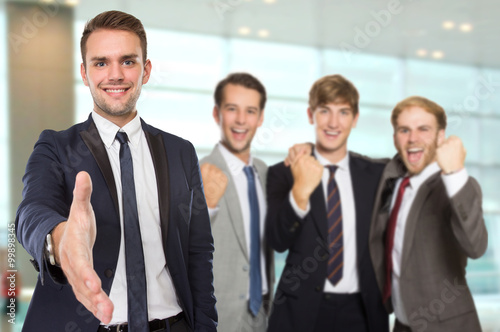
{"x": 234, "y": 184}
{"x": 422, "y": 234}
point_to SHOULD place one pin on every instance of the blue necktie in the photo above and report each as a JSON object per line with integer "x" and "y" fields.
{"x": 335, "y": 231}
{"x": 134, "y": 257}
{"x": 255, "y": 273}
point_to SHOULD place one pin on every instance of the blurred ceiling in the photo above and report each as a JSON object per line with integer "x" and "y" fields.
{"x": 401, "y": 28}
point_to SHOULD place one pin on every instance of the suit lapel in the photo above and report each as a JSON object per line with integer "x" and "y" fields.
{"x": 413, "y": 215}
{"x": 318, "y": 211}
{"x": 360, "y": 177}
{"x": 231, "y": 200}
{"x": 94, "y": 143}
{"x": 159, "y": 156}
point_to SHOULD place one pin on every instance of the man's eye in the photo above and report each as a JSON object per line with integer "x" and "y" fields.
{"x": 99, "y": 64}
{"x": 128, "y": 62}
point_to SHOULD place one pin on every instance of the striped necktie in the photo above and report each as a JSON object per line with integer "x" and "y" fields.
{"x": 335, "y": 230}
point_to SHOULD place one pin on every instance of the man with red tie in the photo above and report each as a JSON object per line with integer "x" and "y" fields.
{"x": 319, "y": 209}
{"x": 422, "y": 234}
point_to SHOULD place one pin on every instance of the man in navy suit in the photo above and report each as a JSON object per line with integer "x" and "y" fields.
{"x": 319, "y": 209}
{"x": 76, "y": 205}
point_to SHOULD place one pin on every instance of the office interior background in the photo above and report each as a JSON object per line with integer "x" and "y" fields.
{"x": 445, "y": 50}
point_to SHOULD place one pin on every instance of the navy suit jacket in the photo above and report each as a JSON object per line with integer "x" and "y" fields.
{"x": 298, "y": 296}
{"x": 48, "y": 192}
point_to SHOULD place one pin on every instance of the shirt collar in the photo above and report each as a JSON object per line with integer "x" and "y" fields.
{"x": 234, "y": 163}
{"x": 107, "y": 129}
{"x": 343, "y": 164}
{"x": 417, "y": 179}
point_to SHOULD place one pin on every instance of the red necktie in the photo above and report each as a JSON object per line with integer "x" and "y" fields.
{"x": 389, "y": 238}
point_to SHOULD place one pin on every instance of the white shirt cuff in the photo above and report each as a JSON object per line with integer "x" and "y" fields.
{"x": 298, "y": 211}
{"x": 455, "y": 181}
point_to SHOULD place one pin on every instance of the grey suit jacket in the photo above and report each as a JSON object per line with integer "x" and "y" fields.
{"x": 231, "y": 257}
{"x": 440, "y": 234}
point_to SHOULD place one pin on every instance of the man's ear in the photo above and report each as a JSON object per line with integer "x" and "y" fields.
{"x": 310, "y": 115}
{"x": 441, "y": 137}
{"x": 83, "y": 73}
{"x": 147, "y": 72}
{"x": 215, "y": 114}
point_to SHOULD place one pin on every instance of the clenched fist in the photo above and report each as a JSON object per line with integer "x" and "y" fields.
{"x": 307, "y": 173}
{"x": 214, "y": 183}
{"x": 450, "y": 155}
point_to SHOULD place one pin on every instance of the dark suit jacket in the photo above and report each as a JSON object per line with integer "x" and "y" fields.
{"x": 440, "y": 234}
{"x": 47, "y": 196}
{"x": 298, "y": 297}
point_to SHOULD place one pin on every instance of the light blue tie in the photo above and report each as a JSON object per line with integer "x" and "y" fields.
{"x": 134, "y": 257}
{"x": 255, "y": 273}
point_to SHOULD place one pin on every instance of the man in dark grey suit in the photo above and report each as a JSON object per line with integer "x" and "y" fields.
{"x": 422, "y": 234}
{"x": 239, "y": 110}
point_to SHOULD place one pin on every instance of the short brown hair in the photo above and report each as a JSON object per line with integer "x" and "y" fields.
{"x": 333, "y": 89}
{"x": 114, "y": 20}
{"x": 422, "y": 102}
{"x": 244, "y": 79}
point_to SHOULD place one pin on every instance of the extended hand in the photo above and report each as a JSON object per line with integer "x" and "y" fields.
{"x": 307, "y": 173}
{"x": 450, "y": 155}
{"x": 214, "y": 184}
{"x": 297, "y": 150}
{"x": 73, "y": 241}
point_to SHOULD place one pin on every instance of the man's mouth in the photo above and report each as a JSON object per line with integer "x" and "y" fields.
{"x": 239, "y": 133}
{"x": 332, "y": 133}
{"x": 414, "y": 154}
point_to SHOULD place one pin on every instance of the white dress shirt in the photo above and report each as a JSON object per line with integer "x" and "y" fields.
{"x": 453, "y": 183}
{"x": 236, "y": 166}
{"x": 350, "y": 279}
{"x": 162, "y": 300}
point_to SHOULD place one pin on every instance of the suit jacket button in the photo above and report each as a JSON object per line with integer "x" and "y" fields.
{"x": 318, "y": 288}
{"x": 108, "y": 273}
{"x": 246, "y": 268}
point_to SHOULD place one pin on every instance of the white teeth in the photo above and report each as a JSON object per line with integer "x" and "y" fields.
{"x": 332, "y": 132}
{"x": 239, "y": 131}
{"x": 415, "y": 150}
{"x": 115, "y": 90}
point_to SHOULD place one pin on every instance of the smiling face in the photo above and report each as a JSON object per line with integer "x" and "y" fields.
{"x": 417, "y": 137}
{"x": 115, "y": 72}
{"x": 333, "y": 123}
{"x": 238, "y": 117}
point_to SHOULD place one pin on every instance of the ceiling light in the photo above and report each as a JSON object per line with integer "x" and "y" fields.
{"x": 422, "y": 52}
{"x": 448, "y": 25}
{"x": 466, "y": 27}
{"x": 263, "y": 33}
{"x": 438, "y": 55}
{"x": 47, "y": 1}
{"x": 269, "y": 1}
{"x": 71, "y": 3}
{"x": 244, "y": 31}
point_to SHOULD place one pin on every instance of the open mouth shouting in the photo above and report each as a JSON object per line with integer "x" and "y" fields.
{"x": 414, "y": 155}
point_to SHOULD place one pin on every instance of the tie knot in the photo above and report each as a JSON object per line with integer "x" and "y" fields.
{"x": 332, "y": 169}
{"x": 122, "y": 137}
{"x": 405, "y": 182}
{"x": 248, "y": 172}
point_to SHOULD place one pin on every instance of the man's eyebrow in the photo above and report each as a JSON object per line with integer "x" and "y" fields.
{"x": 123, "y": 57}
